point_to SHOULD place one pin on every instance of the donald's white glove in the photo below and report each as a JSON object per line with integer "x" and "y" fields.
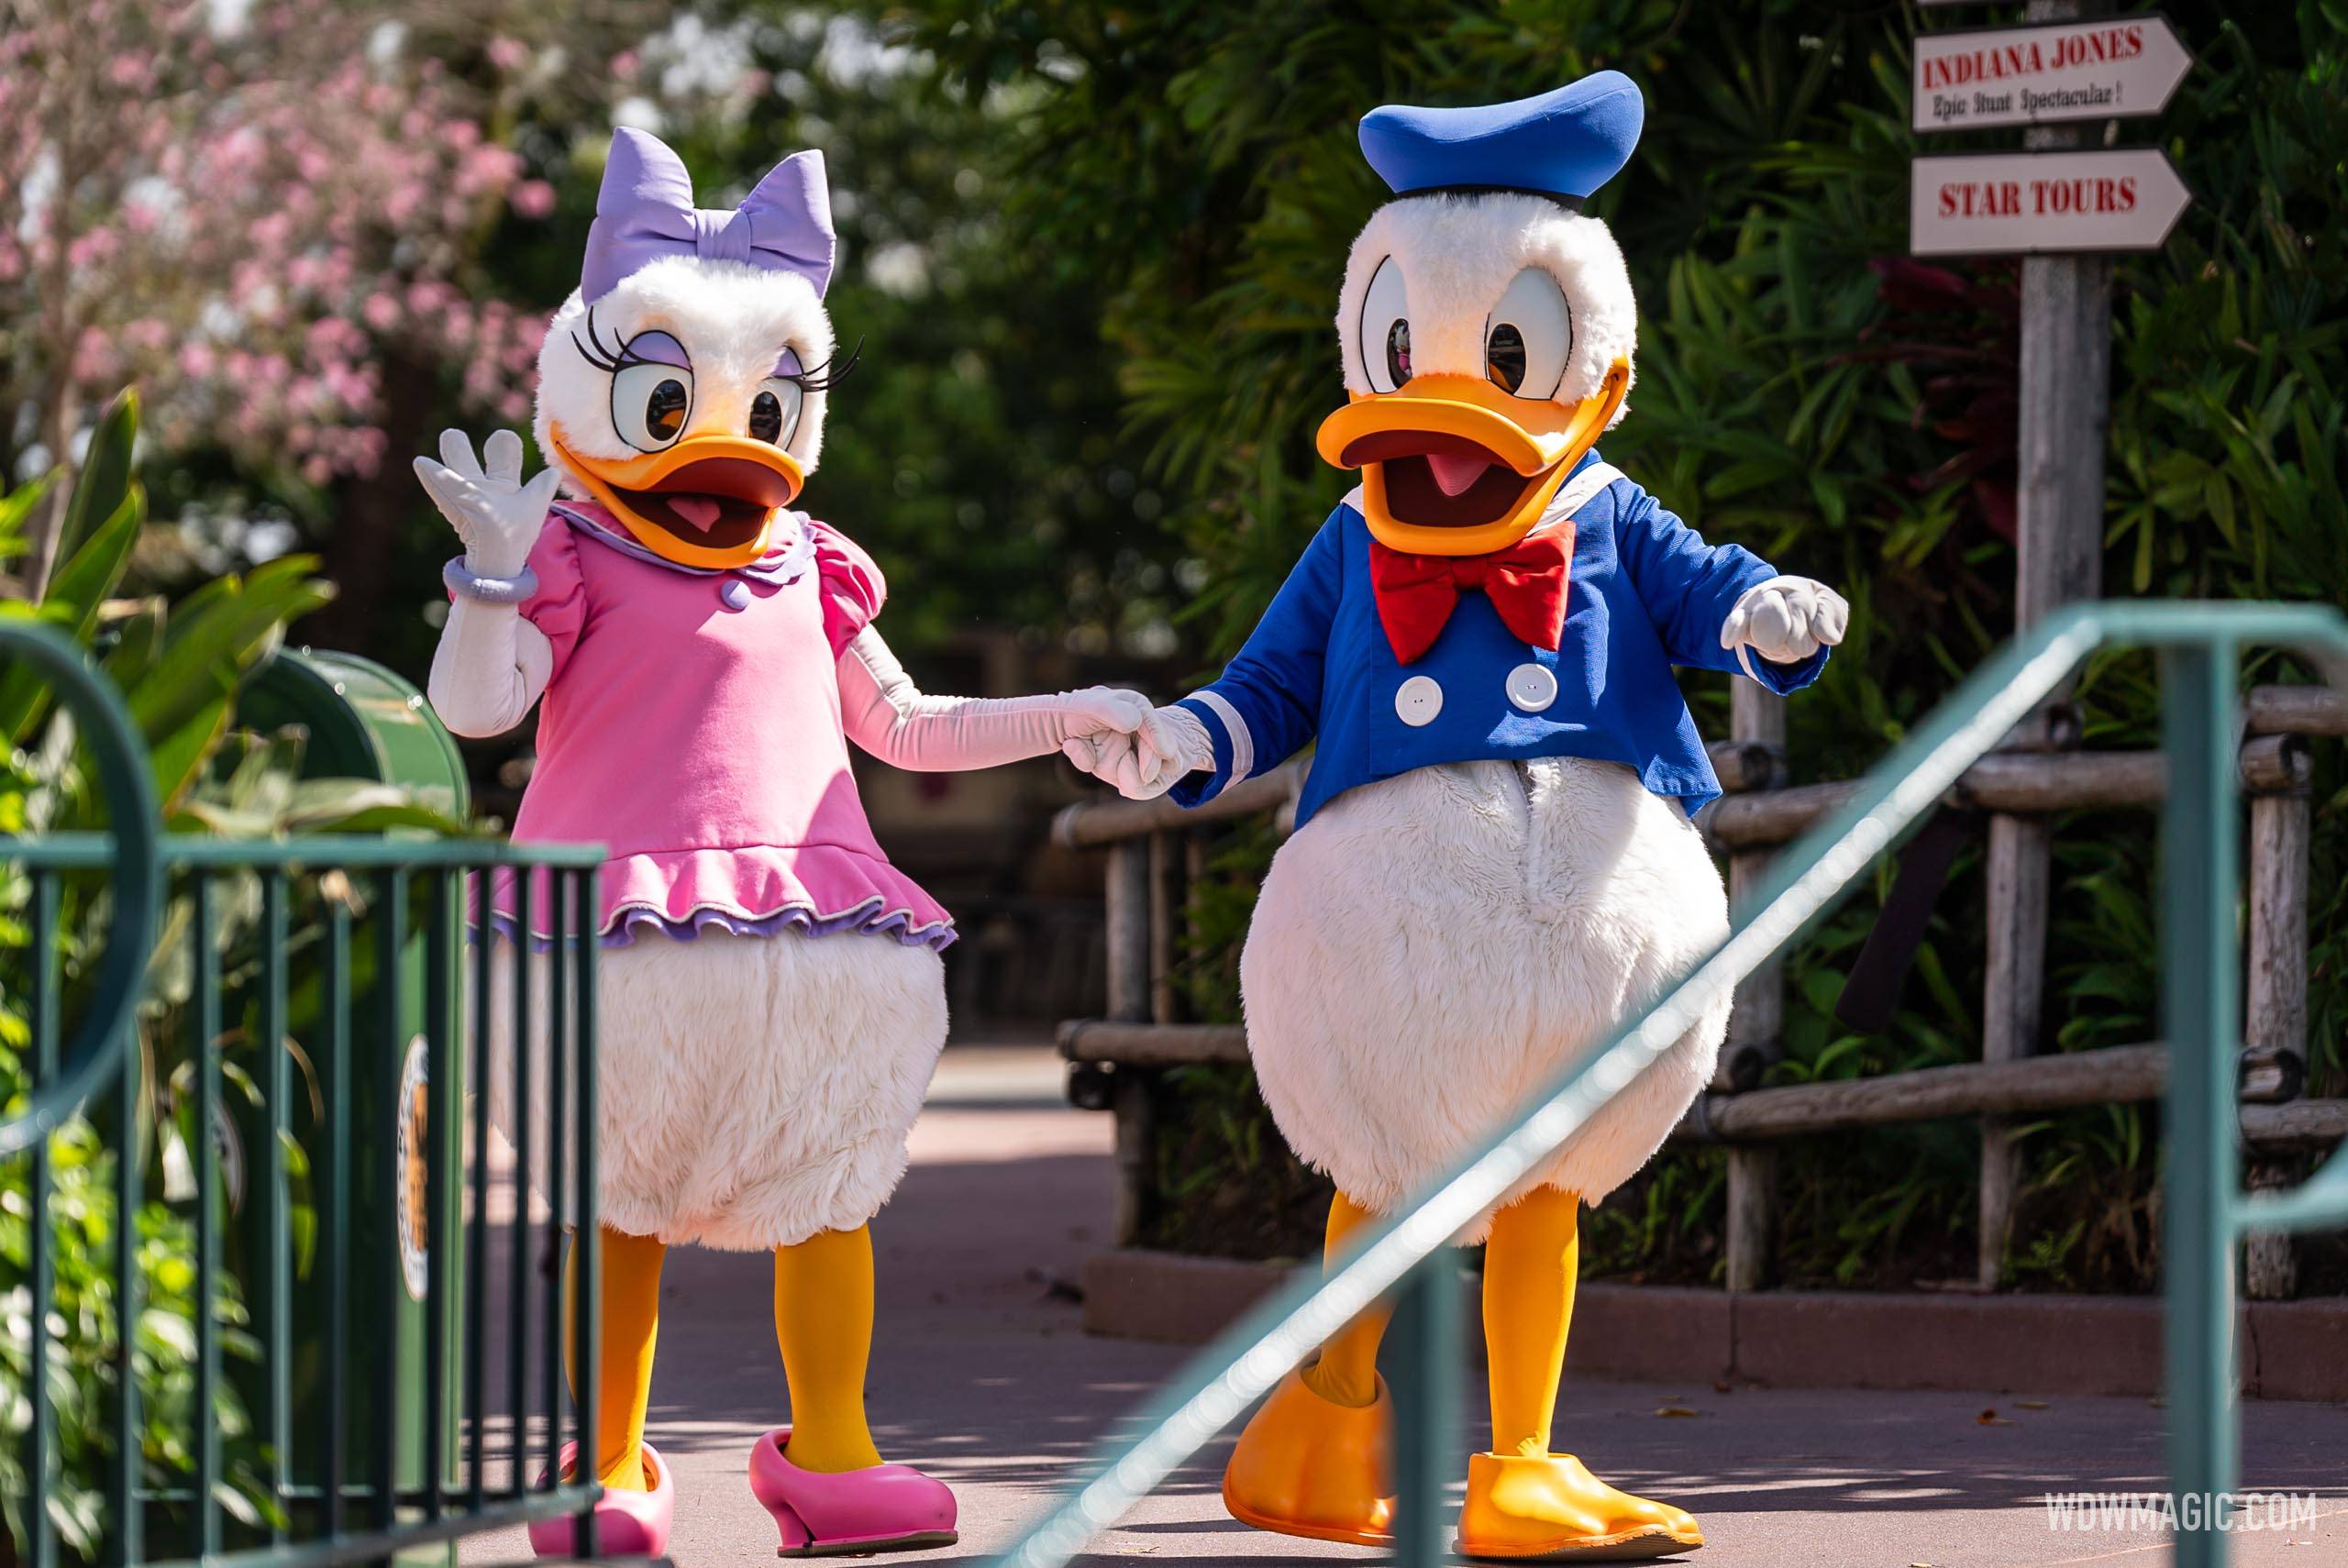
{"x": 1142, "y": 765}
{"x": 495, "y": 514}
{"x": 1784, "y": 620}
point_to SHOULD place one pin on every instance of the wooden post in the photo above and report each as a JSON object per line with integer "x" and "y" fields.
{"x": 1756, "y": 718}
{"x": 2275, "y": 996}
{"x": 1756, "y": 1026}
{"x": 1128, "y": 931}
{"x": 1163, "y": 891}
{"x": 2066, "y": 402}
{"x": 2065, "y": 405}
{"x": 2019, "y": 869}
{"x": 1129, "y": 1002}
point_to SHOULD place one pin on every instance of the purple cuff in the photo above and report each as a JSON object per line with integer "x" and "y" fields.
{"x": 459, "y": 578}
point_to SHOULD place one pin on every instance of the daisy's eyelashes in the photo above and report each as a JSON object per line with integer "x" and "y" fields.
{"x": 593, "y": 352}
{"x": 831, "y": 372}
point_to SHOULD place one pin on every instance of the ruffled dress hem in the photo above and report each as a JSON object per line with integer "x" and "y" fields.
{"x": 756, "y": 890}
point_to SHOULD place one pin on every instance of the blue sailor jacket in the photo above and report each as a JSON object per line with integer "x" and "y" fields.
{"x": 1644, "y": 592}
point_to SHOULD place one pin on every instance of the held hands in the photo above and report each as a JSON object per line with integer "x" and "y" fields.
{"x": 496, "y": 515}
{"x": 1143, "y": 765}
{"x": 1784, "y": 620}
{"x": 1098, "y": 715}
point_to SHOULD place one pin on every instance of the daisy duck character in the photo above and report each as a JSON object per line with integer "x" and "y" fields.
{"x": 1493, "y": 863}
{"x": 770, "y": 999}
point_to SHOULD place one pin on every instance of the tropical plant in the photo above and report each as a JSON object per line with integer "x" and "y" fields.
{"x": 179, "y": 668}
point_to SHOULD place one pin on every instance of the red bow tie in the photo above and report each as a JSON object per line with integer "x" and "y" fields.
{"x": 1525, "y": 582}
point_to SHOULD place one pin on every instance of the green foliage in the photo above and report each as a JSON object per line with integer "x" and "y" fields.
{"x": 972, "y": 450}
{"x": 1803, "y": 389}
{"x": 102, "y": 520}
{"x": 1225, "y": 1182}
{"x": 179, "y": 667}
{"x": 1664, "y": 1225}
{"x": 104, "y": 481}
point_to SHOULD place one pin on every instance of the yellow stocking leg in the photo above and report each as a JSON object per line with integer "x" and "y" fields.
{"x": 1523, "y": 1501}
{"x": 1347, "y": 1373}
{"x": 629, "y": 1314}
{"x": 1316, "y": 1460}
{"x": 823, "y": 1318}
{"x": 1529, "y": 1268}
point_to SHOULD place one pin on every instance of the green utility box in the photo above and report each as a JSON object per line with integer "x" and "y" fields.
{"x": 364, "y": 721}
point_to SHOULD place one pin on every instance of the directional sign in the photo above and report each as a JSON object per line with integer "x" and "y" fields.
{"x": 2112, "y": 69}
{"x": 2011, "y": 203}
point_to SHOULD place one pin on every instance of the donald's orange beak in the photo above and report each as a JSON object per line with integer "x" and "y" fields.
{"x": 709, "y": 500}
{"x": 1453, "y": 466}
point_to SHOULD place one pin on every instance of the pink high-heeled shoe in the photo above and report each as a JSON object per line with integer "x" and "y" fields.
{"x": 889, "y": 1507}
{"x": 627, "y": 1524}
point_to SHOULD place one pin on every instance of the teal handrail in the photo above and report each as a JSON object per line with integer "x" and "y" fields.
{"x": 2207, "y": 1213}
{"x": 132, "y": 849}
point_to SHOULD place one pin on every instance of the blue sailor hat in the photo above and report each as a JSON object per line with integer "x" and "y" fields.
{"x": 1563, "y": 143}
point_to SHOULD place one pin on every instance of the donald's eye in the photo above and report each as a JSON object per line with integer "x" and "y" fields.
{"x": 1385, "y": 329}
{"x": 1529, "y": 336}
{"x": 650, "y": 402}
{"x": 1504, "y": 357}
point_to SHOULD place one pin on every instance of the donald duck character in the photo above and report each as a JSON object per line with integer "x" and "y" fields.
{"x": 1493, "y": 862}
{"x": 771, "y": 1000}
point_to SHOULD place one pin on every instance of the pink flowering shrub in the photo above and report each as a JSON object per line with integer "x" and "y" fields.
{"x": 241, "y": 211}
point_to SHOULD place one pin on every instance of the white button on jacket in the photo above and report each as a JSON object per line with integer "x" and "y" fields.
{"x": 1531, "y": 686}
{"x": 1418, "y": 701}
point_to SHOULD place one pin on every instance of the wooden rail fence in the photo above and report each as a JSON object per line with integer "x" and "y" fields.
{"x": 1155, "y": 847}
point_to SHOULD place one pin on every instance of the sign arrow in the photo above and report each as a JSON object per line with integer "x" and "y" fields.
{"x": 2020, "y": 203}
{"x": 2119, "y": 68}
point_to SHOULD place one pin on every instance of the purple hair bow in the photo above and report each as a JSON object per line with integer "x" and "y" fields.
{"x": 645, "y": 211}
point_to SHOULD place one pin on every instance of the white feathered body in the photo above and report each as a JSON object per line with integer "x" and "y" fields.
{"x": 754, "y": 1090}
{"x": 1432, "y": 948}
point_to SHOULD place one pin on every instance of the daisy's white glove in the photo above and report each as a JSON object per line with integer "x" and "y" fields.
{"x": 491, "y": 664}
{"x": 495, "y": 514}
{"x": 883, "y": 711}
{"x": 1170, "y": 743}
{"x": 1784, "y": 621}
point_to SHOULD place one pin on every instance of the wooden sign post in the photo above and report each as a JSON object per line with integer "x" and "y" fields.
{"x": 2065, "y": 205}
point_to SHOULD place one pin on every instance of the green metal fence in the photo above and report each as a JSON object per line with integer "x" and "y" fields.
{"x": 2207, "y": 1213}
{"x": 269, "y": 1051}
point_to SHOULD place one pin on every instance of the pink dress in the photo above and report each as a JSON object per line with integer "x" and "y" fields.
{"x": 692, "y": 725}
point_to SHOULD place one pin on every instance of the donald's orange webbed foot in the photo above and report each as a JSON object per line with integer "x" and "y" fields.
{"x": 1308, "y": 1466}
{"x": 1550, "y": 1508}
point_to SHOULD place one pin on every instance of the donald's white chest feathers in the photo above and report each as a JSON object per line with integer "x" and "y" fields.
{"x": 1432, "y": 948}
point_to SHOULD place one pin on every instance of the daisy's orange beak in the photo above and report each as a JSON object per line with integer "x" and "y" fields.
{"x": 708, "y": 501}
{"x": 1453, "y": 466}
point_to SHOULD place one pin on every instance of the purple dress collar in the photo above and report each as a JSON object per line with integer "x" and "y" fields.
{"x": 785, "y": 563}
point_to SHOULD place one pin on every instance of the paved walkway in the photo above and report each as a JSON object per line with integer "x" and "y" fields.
{"x": 982, "y": 1377}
